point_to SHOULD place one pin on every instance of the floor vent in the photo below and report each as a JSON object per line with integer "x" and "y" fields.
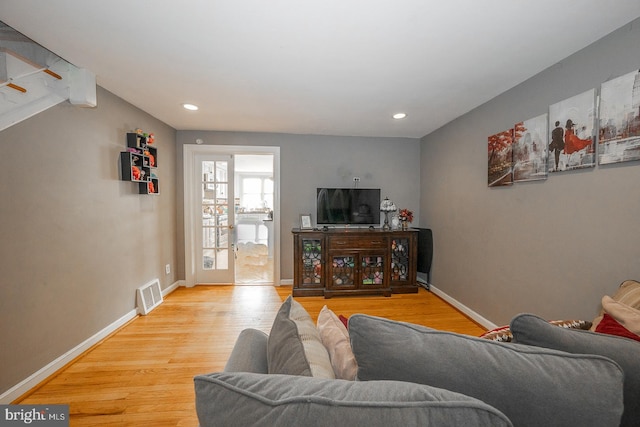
{"x": 148, "y": 296}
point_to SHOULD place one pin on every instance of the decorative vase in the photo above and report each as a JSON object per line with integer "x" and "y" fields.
{"x": 405, "y": 225}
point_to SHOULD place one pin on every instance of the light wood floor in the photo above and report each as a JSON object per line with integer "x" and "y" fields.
{"x": 143, "y": 373}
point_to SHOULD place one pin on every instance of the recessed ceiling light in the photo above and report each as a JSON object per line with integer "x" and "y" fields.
{"x": 399, "y": 116}
{"x": 190, "y": 107}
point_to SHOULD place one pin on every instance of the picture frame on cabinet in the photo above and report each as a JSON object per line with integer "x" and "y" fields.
{"x": 305, "y": 221}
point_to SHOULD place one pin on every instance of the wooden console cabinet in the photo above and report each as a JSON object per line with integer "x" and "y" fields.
{"x": 354, "y": 261}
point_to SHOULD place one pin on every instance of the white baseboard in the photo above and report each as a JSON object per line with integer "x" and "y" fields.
{"x": 173, "y": 287}
{"x": 42, "y": 374}
{"x": 286, "y": 282}
{"x": 464, "y": 309}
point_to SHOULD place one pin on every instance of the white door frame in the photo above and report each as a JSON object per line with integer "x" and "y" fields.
{"x": 190, "y": 151}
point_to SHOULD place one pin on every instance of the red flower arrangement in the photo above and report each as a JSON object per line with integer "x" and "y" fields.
{"x": 405, "y": 215}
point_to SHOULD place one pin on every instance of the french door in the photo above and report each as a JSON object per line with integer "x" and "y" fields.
{"x": 215, "y": 242}
{"x": 224, "y": 227}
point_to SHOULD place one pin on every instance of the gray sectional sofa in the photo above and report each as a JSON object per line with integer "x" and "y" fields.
{"x": 411, "y": 375}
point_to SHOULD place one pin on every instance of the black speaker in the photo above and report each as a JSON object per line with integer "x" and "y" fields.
{"x": 425, "y": 252}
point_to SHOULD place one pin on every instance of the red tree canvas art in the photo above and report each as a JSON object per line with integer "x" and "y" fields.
{"x": 500, "y": 165}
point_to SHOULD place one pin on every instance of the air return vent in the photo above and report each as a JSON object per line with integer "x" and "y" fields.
{"x": 148, "y": 296}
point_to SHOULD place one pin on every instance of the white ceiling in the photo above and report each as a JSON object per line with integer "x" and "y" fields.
{"x": 331, "y": 67}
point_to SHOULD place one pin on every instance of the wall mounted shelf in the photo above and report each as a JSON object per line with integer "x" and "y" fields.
{"x": 138, "y": 164}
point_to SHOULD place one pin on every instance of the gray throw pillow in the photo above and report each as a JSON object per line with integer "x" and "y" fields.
{"x": 530, "y": 385}
{"x": 294, "y": 346}
{"x": 533, "y": 330}
{"x": 248, "y": 399}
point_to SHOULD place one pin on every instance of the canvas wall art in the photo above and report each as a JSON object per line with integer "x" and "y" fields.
{"x": 572, "y": 123}
{"x": 530, "y": 149}
{"x": 619, "y": 130}
{"x": 500, "y": 165}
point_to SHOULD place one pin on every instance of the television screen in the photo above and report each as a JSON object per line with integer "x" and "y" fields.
{"x": 348, "y": 206}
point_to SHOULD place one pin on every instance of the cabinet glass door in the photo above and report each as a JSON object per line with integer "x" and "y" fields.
{"x": 343, "y": 271}
{"x": 311, "y": 261}
{"x": 399, "y": 259}
{"x": 372, "y": 270}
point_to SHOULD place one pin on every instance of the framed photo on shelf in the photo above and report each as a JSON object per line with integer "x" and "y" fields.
{"x": 305, "y": 222}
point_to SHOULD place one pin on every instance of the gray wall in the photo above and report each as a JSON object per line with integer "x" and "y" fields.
{"x": 309, "y": 161}
{"x": 553, "y": 248}
{"x": 75, "y": 242}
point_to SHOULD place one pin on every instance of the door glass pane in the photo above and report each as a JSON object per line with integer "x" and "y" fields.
{"x": 208, "y": 168}
{"x": 221, "y": 171}
{"x": 207, "y": 220}
{"x": 221, "y": 191}
{"x": 209, "y": 258}
{"x": 222, "y": 217}
{"x": 215, "y": 221}
{"x": 223, "y": 259}
{"x": 208, "y": 237}
{"x": 223, "y": 237}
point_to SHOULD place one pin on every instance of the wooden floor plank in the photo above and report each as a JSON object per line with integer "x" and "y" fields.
{"x": 143, "y": 373}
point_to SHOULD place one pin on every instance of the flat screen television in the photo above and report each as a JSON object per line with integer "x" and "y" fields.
{"x": 357, "y": 206}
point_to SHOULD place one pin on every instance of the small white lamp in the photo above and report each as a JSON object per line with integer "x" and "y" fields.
{"x": 387, "y": 206}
